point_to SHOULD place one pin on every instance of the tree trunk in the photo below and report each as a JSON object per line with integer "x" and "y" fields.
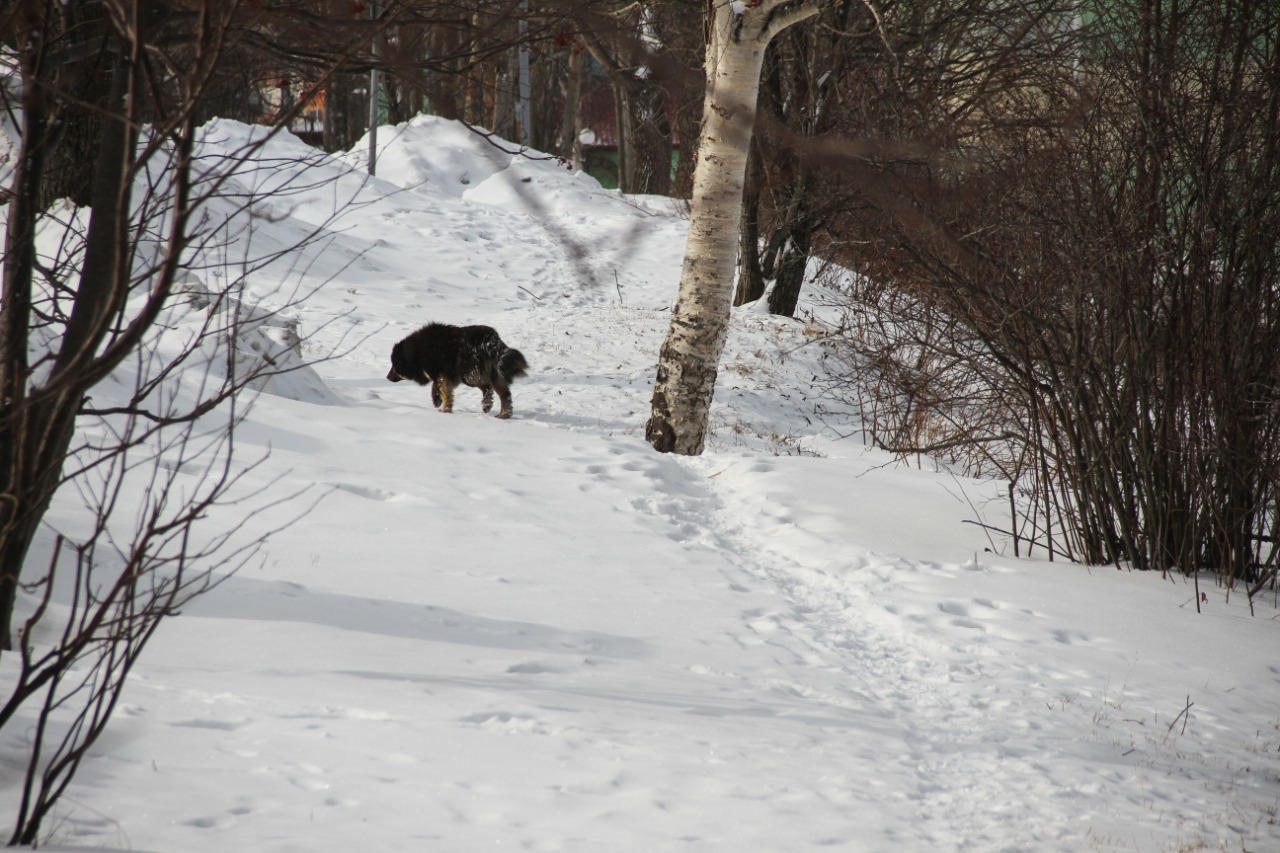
{"x": 689, "y": 360}
{"x": 37, "y": 423}
{"x": 445, "y": 91}
{"x": 644, "y": 137}
{"x": 680, "y": 27}
{"x": 15, "y": 314}
{"x": 568, "y": 143}
{"x": 750, "y": 276}
{"x": 789, "y": 271}
{"x": 506, "y": 72}
{"x": 345, "y": 116}
{"x": 80, "y": 31}
{"x": 645, "y": 140}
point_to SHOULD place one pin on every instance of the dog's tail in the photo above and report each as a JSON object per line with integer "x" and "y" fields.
{"x": 512, "y": 365}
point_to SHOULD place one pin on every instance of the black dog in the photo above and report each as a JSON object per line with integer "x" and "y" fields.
{"x": 448, "y": 356}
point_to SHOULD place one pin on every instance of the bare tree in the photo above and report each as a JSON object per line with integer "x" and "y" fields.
{"x": 625, "y": 44}
{"x": 689, "y": 360}
{"x": 789, "y": 199}
{"x": 681, "y": 29}
{"x": 122, "y": 289}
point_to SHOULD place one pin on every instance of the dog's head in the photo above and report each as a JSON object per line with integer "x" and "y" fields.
{"x": 402, "y": 367}
{"x": 397, "y": 363}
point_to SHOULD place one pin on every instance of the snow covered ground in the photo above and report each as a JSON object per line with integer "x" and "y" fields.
{"x": 538, "y": 634}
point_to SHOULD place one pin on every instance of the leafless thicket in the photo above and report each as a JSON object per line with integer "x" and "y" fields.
{"x": 872, "y": 90}
{"x": 1083, "y": 295}
{"x": 125, "y": 352}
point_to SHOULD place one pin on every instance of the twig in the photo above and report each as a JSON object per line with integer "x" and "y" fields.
{"x": 1184, "y": 715}
{"x": 497, "y": 142}
{"x": 986, "y": 526}
{"x": 1013, "y": 520}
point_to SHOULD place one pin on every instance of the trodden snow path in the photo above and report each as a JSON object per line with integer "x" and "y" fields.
{"x": 540, "y": 635}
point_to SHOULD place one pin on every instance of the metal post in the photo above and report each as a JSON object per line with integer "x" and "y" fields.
{"x": 522, "y": 110}
{"x": 374, "y": 84}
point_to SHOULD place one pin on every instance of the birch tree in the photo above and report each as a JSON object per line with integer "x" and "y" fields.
{"x": 738, "y": 34}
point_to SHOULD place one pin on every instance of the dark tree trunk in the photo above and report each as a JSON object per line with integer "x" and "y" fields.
{"x": 681, "y": 28}
{"x": 37, "y": 423}
{"x": 789, "y": 272}
{"x": 398, "y": 109}
{"x": 15, "y": 313}
{"x": 444, "y": 91}
{"x": 506, "y": 74}
{"x": 568, "y": 144}
{"x": 644, "y": 134}
{"x": 82, "y": 79}
{"x": 646, "y": 141}
{"x": 750, "y": 275}
{"x": 345, "y": 111}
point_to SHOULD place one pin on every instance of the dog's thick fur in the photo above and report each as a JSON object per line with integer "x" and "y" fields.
{"x": 448, "y": 356}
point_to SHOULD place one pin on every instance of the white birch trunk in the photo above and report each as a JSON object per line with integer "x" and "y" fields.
{"x": 690, "y": 357}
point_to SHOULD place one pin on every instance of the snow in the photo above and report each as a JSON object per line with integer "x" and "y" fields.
{"x": 538, "y": 634}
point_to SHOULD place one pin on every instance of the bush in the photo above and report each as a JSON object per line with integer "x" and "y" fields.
{"x": 1089, "y": 301}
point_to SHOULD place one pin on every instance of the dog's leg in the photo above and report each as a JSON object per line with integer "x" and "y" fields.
{"x": 435, "y": 394}
{"x": 504, "y": 397}
{"x": 446, "y": 394}
{"x": 486, "y": 403}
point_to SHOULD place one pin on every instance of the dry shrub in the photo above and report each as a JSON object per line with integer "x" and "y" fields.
{"x": 1084, "y": 297}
